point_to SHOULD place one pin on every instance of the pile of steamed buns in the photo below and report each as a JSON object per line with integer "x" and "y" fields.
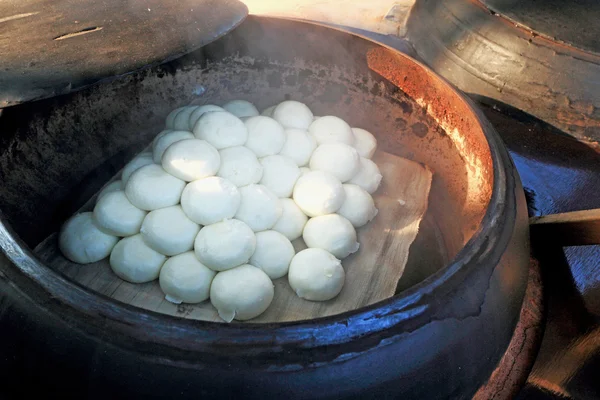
{"x": 212, "y": 210}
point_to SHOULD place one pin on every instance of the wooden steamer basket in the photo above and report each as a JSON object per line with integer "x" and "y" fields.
{"x": 440, "y": 337}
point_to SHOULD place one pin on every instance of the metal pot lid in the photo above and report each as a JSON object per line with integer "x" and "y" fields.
{"x": 506, "y": 64}
{"x": 55, "y": 47}
{"x": 572, "y": 22}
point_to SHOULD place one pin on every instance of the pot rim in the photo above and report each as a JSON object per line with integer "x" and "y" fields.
{"x": 90, "y": 312}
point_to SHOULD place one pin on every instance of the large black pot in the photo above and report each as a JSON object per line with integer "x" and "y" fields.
{"x": 438, "y": 338}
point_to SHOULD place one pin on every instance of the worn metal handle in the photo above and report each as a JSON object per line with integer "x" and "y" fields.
{"x": 577, "y": 228}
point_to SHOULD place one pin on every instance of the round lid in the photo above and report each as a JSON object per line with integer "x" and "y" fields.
{"x": 52, "y": 47}
{"x": 572, "y": 22}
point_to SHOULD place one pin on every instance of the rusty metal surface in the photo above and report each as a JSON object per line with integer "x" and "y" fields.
{"x": 465, "y": 133}
{"x": 427, "y": 330}
{"x": 490, "y": 56}
{"x": 54, "y": 47}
